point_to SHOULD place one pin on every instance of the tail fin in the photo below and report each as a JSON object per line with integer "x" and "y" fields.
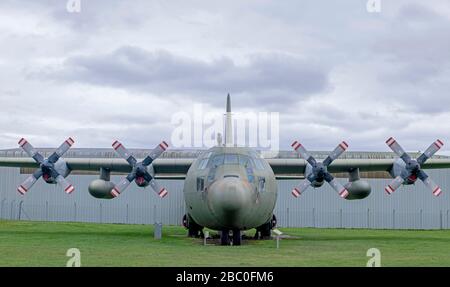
{"x": 228, "y": 124}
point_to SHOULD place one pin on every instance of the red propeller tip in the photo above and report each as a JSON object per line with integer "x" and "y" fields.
{"x": 296, "y": 192}
{"x": 115, "y": 192}
{"x": 163, "y": 192}
{"x": 116, "y": 145}
{"x": 390, "y": 141}
{"x": 163, "y": 145}
{"x": 437, "y": 191}
{"x": 438, "y": 143}
{"x": 344, "y": 145}
{"x": 344, "y": 193}
{"x": 22, "y": 142}
{"x": 69, "y": 189}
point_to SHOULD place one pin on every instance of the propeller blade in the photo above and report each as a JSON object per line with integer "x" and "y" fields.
{"x": 29, "y": 149}
{"x": 155, "y": 153}
{"x": 430, "y": 151}
{"x": 122, "y": 185}
{"x": 395, "y": 183}
{"x": 395, "y": 146}
{"x": 124, "y": 153}
{"x": 68, "y": 187}
{"x": 297, "y": 191}
{"x": 298, "y": 147}
{"x": 160, "y": 191}
{"x": 340, "y": 149}
{"x": 435, "y": 189}
{"x": 28, "y": 183}
{"x": 337, "y": 186}
{"x": 61, "y": 150}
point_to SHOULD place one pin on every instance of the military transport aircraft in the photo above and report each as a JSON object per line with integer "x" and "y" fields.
{"x": 228, "y": 188}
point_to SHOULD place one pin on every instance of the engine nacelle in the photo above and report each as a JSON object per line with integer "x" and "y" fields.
{"x": 399, "y": 169}
{"x": 100, "y": 188}
{"x": 308, "y": 172}
{"x": 61, "y": 167}
{"x": 358, "y": 189}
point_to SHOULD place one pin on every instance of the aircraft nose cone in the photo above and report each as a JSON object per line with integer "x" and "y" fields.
{"x": 229, "y": 199}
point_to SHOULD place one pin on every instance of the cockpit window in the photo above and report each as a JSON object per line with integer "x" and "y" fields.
{"x": 231, "y": 159}
{"x": 221, "y": 159}
{"x": 217, "y": 160}
{"x": 245, "y": 161}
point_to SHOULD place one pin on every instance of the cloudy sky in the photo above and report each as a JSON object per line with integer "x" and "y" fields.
{"x": 122, "y": 69}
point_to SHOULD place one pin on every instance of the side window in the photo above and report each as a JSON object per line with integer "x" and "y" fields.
{"x": 203, "y": 163}
{"x": 211, "y": 174}
{"x": 200, "y": 183}
{"x": 262, "y": 184}
{"x": 250, "y": 175}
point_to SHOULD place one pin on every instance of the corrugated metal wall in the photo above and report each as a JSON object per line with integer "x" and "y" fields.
{"x": 411, "y": 207}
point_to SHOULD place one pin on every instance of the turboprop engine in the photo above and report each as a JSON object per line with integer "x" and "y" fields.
{"x": 406, "y": 170}
{"x": 52, "y": 169}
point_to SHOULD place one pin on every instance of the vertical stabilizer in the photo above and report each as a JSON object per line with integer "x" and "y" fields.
{"x": 228, "y": 124}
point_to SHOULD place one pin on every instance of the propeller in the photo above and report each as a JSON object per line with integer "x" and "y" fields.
{"x": 46, "y": 167}
{"x": 319, "y": 170}
{"x": 413, "y": 169}
{"x": 139, "y": 171}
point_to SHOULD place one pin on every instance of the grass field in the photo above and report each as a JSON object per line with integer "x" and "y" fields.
{"x": 25, "y": 243}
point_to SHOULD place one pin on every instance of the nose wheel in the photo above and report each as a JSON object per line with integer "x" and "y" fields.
{"x": 237, "y": 238}
{"x": 226, "y": 239}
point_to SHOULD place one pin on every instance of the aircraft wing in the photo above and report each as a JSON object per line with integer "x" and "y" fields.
{"x": 293, "y": 168}
{"x": 164, "y": 168}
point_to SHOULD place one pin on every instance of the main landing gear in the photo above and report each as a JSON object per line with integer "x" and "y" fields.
{"x": 194, "y": 230}
{"x": 264, "y": 231}
{"x": 226, "y": 239}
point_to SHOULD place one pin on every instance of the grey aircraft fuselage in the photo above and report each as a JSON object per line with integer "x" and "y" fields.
{"x": 230, "y": 188}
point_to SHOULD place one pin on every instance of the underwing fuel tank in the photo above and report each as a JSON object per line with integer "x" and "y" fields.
{"x": 100, "y": 188}
{"x": 358, "y": 189}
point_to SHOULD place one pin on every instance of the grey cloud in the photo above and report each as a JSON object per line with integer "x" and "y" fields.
{"x": 265, "y": 77}
{"x": 417, "y": 43}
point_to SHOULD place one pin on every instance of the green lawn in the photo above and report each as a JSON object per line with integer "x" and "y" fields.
{"x": 24, "y": 243}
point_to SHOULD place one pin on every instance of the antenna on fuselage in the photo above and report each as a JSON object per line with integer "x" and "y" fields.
{"x": 228, "y": 124}
{"x": 219, "y": 139}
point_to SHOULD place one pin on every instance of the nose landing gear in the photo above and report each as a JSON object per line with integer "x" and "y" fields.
{"x": 226, "y": 239}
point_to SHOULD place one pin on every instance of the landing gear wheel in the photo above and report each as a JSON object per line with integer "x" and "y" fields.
{"x": 194, "y": 230}
{"x": 237, "y": 238}
{"x": 225, "y": 237}
{"x": 264, "y": 231}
